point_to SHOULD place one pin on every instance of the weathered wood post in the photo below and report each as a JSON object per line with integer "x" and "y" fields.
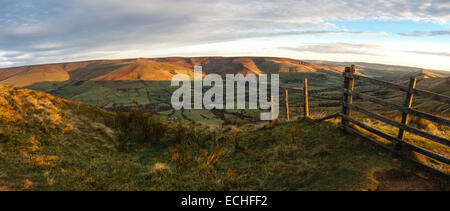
{"x": 408, "y": 103}
{"x": 271, "y": 107}
{"x": 349, "y": 84}
{"x": 287, "y": 104}
{"x": 305, "y": 94}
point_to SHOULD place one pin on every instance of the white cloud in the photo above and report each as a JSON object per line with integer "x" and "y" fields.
{"x": 6, "y": 64}
{"x": 425, "y": 33}
{"x": 47, "y": 46}
{"x": 51, "y": 30}
{"x": 338, "y": 48}
{"x": 431, "y": 53}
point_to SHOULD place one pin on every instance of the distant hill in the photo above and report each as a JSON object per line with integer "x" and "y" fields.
{"x": 425, "y": 74}
{"x": 154, "y": 69}
{"x": 439, "y": 85}
{"x": 366, "y": 65}
{"x": 429, "y": 81}
{"x": 145, "y": 82}
{"x": 393, "y": 73}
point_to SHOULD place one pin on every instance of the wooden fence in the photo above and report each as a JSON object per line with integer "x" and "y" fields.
{"x": 348, "y": 106}
{"x": 306, "y": 93}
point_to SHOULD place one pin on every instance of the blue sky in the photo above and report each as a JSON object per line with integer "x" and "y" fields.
{"x": 400, "y": 32}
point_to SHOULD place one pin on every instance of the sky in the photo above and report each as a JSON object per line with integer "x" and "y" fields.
{"x": 398, "y": 32}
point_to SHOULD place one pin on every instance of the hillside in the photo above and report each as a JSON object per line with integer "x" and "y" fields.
{"x": 157, "y": 69}
{"x": 431, "y": 81}
{"x": 49, "y": 143}
{"x": 146, "y": 82}
{"x": 26, "y": 75}
{"x": 42, "y": 136}
{"x": 374, "y": 66}
{"x": 438, "y": 85}
{"x": 425, "y": 74}
{"x": 141, "y": 83}
{"x": 393, "y": 73}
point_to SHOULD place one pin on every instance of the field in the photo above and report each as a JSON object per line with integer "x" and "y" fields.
{"x": 155, "y": 96}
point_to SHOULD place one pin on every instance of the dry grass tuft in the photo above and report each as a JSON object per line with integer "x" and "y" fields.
{"x": 27, "y": 184}
{"x": 161, "y": 167}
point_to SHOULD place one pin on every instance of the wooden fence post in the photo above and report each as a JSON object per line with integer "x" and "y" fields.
{"x": 349, "y": 84}
{"x": 305, "y": 94}
{"x": 408, "y": 103}
{"x": 287, "y": 104}
{"x": 271, "y": 108}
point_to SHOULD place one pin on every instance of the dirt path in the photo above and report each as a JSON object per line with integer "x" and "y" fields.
{"x": 418, "y": 180}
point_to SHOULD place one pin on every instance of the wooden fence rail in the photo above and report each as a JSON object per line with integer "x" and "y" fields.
{"x": 400, "y": 125}
{"x": 415, "y": 91}
{"x": 399, "y": 107}
{"x": 347, "y": 106}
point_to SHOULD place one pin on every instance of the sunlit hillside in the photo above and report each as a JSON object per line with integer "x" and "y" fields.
{"x": 158, "y": 69}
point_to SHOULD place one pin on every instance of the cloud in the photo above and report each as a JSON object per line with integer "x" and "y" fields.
{"x": 439, "y": 33}
{"x": 47, "y": 46}
{"x": 337, "y": 48}
{"x": 6, "y": 63}
{"x": 413, "y": 34}
{"x": 8, "y": 54}
{"x": 312, "y": 33}
{"x": 430, "y": 53}
{"x": 425, "y": 33}
{"x": 53, "y": 30}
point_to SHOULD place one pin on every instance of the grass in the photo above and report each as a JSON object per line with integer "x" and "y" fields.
{"x": 176, "y": 155}
{"x": 108, "y": 94}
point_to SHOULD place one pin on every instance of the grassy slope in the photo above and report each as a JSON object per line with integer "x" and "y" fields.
{"x": 49, "y": 143}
